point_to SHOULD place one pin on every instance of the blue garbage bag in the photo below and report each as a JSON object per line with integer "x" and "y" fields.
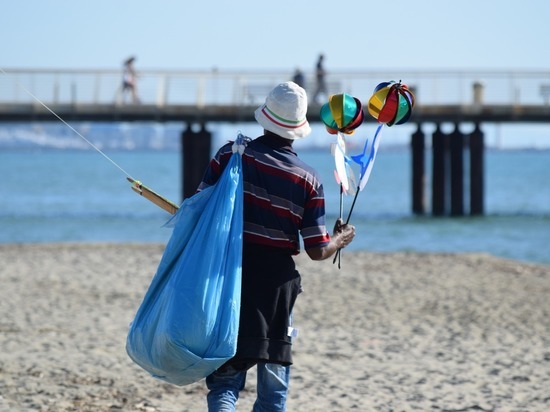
{"x": 187, "y": 325}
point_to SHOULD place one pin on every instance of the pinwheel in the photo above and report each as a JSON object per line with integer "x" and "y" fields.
{"x": 391, "y": 103}
{"x": 342, "y": 115}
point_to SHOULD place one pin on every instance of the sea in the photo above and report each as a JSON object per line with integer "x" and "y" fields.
{"x": 56, "y": 187}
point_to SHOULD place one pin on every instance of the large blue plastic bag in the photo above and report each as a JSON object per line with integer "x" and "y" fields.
{"x": 187, "y": 325}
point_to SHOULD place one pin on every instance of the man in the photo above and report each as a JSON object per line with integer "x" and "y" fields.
{"x": 321, "y": 86}
{"x": 283, "y": 199}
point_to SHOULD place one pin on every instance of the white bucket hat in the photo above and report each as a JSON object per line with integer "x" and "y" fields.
{"x": 284, "y": 112}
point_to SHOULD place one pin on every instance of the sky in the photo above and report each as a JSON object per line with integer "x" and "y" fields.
{"x": 275, "y": 35}
{"x": 251, "y": 35}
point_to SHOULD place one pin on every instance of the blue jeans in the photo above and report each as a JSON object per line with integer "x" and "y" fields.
{"x": 272, "y": 388}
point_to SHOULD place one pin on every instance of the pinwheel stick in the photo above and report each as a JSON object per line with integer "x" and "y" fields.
{"x": 341, "y": 200}
{"x": 352, "y": 205}
{"x": 339, "y": 251}
{"x": 366, "y": 162}
{"x": 341, "y": 215}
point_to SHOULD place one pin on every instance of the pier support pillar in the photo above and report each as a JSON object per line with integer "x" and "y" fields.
{"x": 476, "y": 171}
{"x": 196, "y": 148}
{"x": 448, "y": 172}
{"x": 418, "y": 176}
{"x": 456, "y": 146}
{"x": 439, "y": 167}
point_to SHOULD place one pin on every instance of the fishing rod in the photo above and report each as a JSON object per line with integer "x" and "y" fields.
{"x": 137, "y": 186}
{"x": 152, "y": 196}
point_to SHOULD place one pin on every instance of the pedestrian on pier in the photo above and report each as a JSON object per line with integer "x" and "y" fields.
{"x": 320, "y": 74}
{"x": 129, "y": 80}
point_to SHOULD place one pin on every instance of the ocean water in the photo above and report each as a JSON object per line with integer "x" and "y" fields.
{"x": 80, "y": 196}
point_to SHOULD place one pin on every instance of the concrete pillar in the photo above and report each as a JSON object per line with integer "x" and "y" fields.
{"x": 439, "y": 144}
{"x": 476, "y": 171}
{"x": 456, "y": 146}
{"x": 418, "y": 174}
{"x": 196, "y": 149}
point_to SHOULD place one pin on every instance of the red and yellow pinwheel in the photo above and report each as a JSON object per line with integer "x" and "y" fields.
{"x": 391, "y": 103}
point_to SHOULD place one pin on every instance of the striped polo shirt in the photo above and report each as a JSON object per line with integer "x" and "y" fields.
{"x": 283, "y": 196}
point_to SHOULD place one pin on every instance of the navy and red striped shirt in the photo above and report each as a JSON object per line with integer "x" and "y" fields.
{"x": 283, "y": 196}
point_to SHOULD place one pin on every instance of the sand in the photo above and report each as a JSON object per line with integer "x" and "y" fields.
{"x": 387, "y": 332}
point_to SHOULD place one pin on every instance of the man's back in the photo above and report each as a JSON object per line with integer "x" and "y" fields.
{"x": 283, "y": 196}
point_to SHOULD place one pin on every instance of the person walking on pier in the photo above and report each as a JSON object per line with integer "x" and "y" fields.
{"x": 283, "y": 199}
{"x": 321, "y": 86}
{"x": 129, "y": 80}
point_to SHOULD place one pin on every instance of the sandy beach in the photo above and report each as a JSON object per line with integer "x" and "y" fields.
{"x": 387, "y": 332}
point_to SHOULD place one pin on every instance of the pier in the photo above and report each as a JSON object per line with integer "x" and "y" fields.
{"x": 198, "y": 98}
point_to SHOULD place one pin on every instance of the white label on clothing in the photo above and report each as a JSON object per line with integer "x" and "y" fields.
{"x": 292, "y": 332}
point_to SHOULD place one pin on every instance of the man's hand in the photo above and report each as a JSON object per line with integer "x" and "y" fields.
{"x": 341, "y": 237}
{"x": 343, "y": 234}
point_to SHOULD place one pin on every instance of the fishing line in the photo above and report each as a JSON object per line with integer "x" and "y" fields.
{"x": 69, "y": 126}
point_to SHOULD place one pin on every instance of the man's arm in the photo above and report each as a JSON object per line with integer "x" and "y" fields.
{"x": 341, "y": 237}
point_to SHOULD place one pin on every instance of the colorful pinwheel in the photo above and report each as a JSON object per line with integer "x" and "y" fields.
{"x": 343, "y": 113}
{"x": 391, "y": 103}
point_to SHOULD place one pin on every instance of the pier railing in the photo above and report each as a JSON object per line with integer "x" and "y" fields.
{"x": 221, "y": 88}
